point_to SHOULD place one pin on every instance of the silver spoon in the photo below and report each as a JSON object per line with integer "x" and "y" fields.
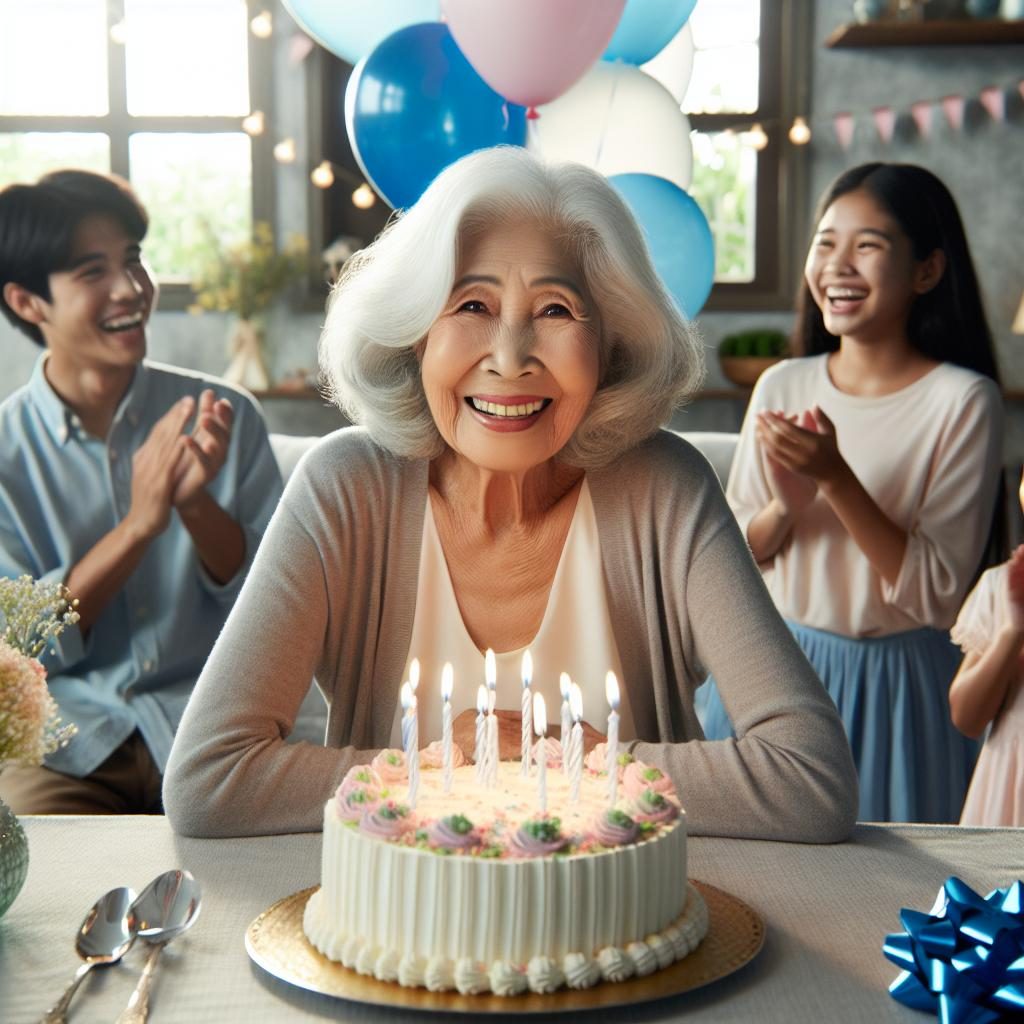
{"x": 105, "y": 936}
{"x": 164, "y": 909}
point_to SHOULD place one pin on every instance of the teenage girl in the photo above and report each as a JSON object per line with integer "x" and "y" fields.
{"x": 866, "y": 476}
{"x": 990, "y": 688}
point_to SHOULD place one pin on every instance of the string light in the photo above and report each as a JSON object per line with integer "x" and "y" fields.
{"x": 262, "y": 26}
{"x": 756, "y": 138}
{"x": 800, "y": 132}
{"x": 284, "y": 151}
{"x": 322, "y": 175}
{"x": 254, "y": 123}
{"x": 363, "y": 197}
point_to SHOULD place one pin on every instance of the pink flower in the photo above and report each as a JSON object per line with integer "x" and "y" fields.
{"x": 390, "y": 767}
{"x": 29, "y": 723}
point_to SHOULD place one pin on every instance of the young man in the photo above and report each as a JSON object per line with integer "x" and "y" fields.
{"x": 145, "y": 489}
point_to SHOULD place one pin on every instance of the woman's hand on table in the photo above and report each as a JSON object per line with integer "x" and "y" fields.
{"x": 510, "y": 733}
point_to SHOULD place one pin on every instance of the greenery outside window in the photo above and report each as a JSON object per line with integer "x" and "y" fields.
{"x": 156, "y": 91}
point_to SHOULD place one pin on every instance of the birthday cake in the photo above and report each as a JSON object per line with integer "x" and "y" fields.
{"x": 476, "y": 890}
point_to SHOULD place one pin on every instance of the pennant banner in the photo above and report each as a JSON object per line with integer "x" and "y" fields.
{"x": 843, "y": 124}
{"x": 885, "y": 122}
{"x": 993, "y": 99}
{"x": 922, "y": 112}
{"x": 953, "y": 108}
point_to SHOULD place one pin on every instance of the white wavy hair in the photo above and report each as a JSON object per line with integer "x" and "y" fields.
{"x": 391, "y": 292}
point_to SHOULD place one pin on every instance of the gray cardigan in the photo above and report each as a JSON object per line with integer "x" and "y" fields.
{"x": 332, "y": 593}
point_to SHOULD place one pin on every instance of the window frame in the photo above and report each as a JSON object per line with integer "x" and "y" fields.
{"x": 118, "y": 125}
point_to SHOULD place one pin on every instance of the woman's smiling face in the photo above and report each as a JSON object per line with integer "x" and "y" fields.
{"x": 510, "y": 366}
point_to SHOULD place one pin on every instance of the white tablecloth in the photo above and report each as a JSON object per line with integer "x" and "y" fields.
{"x": 827, "y": 910}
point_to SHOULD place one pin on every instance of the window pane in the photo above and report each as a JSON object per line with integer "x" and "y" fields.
{"x": 192, "y": 185}
{"x": 26, "y": 156}
{"x": 724, "y": 178}
{"x": 726, "y": 57}
{"x": 53, "y": 57}
{"x": 187, "y": 57}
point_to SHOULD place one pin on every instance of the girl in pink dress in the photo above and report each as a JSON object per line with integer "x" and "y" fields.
{"x": 988, "y": 688}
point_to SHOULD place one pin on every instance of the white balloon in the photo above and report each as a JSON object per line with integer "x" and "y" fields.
{"x": 617, "y": 120}
{"x": 673, "y": 65}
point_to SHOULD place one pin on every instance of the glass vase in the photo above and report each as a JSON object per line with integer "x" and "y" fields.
{"x": 13, "y": 857}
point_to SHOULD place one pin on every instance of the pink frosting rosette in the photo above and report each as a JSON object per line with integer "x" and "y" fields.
{"x": 595, "y": 761}
{"x": 361, "y": 776}
{"x": 432, "y": 755}
{"x": 455, "y": 832}
{"x": 355, "y": 801}
{"x": 639, "y": 776}
{"x": 390, "y": 767}
{"x": 538, "y": 838}
{"x": 388, "y": 820}
{"x": 615, "y": 828}
{"x": 554, "y": 750}
{"x": 654, "y": 807}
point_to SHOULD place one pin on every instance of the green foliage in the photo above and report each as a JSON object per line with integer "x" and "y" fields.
{"x": 546, "y": 830}
{"x": 764, "y": 343}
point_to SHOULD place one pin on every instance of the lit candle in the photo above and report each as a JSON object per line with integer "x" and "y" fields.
{"x": 493, "y": 749}
{"x": 540, "y": 723}
{"x": 480, "y": 753}
{"x": 575, "y": 743}
{"x": 411, "y": 741}
{"x": 564, "y": 683}
{"x": 527, "y": 713}
{"x": 447, "y": 677}
{"x": 414, "y": 674}
{"x": 611, "y": 689}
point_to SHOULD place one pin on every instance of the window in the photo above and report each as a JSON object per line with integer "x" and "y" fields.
{"x": 747, "y": 175}
{"x": 154, "y": 90}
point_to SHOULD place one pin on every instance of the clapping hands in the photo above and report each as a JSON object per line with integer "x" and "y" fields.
{"x": 205, "y": 448}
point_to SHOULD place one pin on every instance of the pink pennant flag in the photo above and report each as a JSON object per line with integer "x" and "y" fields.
{"x": 922, "y": 112}
{"x": 843, "y": 124}
{"x": 953, "y": 108}
{"x": 300, "y": 46}
{"x": 885, "y": 122}
{"x": 993, "y": 99}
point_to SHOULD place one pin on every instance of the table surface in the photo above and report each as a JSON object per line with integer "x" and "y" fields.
{"x": 827, "y": 911}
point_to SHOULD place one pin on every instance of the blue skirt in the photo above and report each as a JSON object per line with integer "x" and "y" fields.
{"x": 892, "y": 696}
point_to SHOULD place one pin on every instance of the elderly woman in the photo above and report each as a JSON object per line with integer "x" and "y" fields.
{"x": 510, "y": 354}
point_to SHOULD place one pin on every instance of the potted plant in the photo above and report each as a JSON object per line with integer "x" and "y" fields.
{"x": 745, "y": 355}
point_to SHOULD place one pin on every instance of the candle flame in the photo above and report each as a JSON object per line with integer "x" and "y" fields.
{"x": 611, "y": 690}
{"x": 540, "y": 715}
{"x": 414, "y": 673}
{"x": 527, "y": 668}
{"x": 481, "y": 699}
{"x": 564, "y": 683}
{"x": 407, "y": 697}
{"x": 447, "y": 681}
{"x": 490, "y": 669}
{"x": 576, "y": 702}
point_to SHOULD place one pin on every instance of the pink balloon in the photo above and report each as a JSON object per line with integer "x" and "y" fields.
{"x": 531, "y": 51}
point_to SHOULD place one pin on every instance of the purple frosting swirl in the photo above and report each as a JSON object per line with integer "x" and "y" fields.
{"x": 652, "y": 807}
{"x": 386, "y": 821}
{"x": 614, "y": 828}
{"x": 354, "y": 802}
{"x": 443, "y": 834}
{"x": 525, "y": 844}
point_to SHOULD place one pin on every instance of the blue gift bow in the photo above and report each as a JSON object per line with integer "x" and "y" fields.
{"x": 965, "y": 959}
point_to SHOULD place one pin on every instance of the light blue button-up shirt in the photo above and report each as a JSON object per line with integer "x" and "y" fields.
{"x": 61, "y": 490}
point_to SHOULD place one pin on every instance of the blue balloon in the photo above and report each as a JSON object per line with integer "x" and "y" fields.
{"x": 415, "y": 105}
{"x": 646, "y": 28}
{"x": 678, "y": 236}
{"x": 350, "y": 30}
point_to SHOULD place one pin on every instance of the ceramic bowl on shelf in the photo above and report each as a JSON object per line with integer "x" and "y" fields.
{"x": 743, "y": 371}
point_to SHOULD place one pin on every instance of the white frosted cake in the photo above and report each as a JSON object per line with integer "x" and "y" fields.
{"x": 476, "y": 890}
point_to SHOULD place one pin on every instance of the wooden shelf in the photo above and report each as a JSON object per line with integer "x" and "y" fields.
{"x": 960, "y": 32}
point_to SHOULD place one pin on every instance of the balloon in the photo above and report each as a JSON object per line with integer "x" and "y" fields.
{"x": 350, "y": 29}
{"x": 673, "y": 66}
{"x": 414, "y": 105}
{"x": 617, "y": 120}
{"x": 646, "y": 28}
{"x": 532, "y": 50}
{"x": 678, "y": 237}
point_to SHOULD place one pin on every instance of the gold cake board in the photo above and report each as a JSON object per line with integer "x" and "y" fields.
{"x": 276, "y": 942}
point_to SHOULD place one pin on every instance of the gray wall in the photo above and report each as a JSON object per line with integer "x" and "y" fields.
{"x": 982, "y": 165}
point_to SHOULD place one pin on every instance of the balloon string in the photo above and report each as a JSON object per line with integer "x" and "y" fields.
{"x": 607, "y": 120}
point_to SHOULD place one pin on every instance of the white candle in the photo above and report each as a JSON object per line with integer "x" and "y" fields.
{"x": 575, "y": 744}
{"x": 480, "y": 753}
{"x": 564, "y": 684}
{"x": 493, "y": 749}
{"x": 527, "y": 714}
{"x": 411, "y": 742}
{"x": 414, "y": 674}
{"x": 540, "y": 724}
{"x": 447, "y": 682}
{"x": 611, "y": 689}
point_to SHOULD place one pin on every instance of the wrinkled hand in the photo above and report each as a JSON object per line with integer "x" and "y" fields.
{"x": 155, "y": 467}
{"x": 510, "y": 734}
{"x": 809, "y": 447}
{"x": 792, "y": 490}
{"x": 206, "y": 448}
{"x": 1015, "y": 588}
